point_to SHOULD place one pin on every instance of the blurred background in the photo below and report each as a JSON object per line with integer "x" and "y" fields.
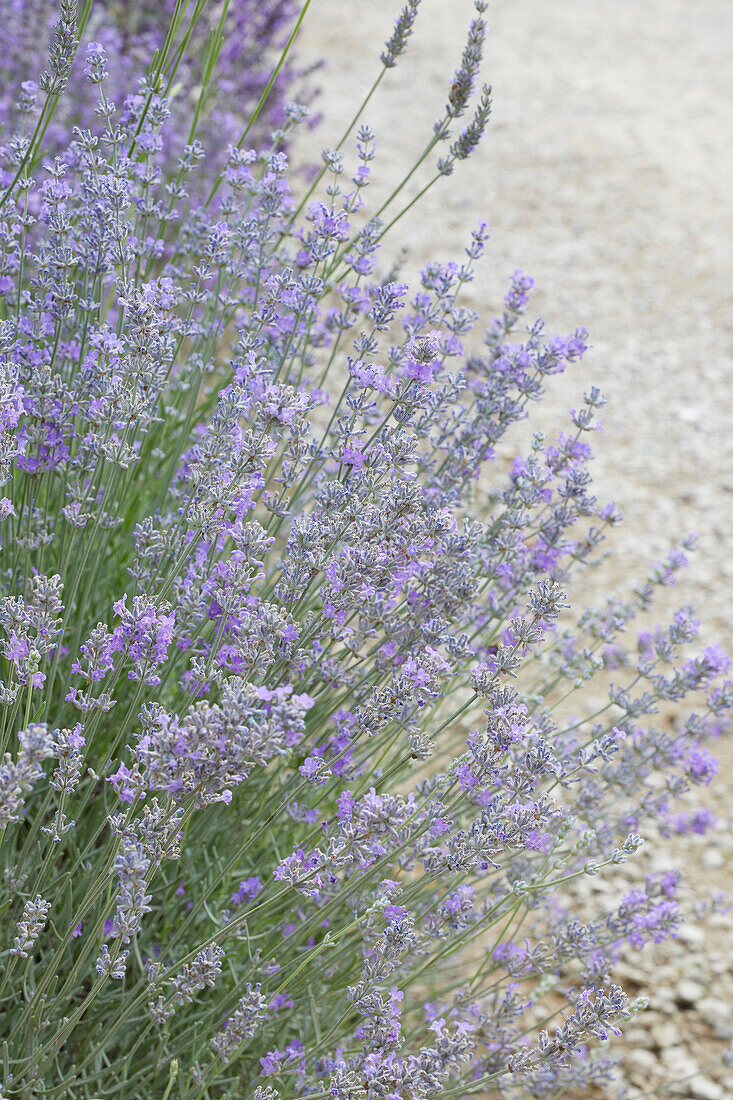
{"x": 607, "y": 175}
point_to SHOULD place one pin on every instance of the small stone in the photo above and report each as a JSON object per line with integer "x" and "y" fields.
{"x": 665, "y": 1035}
{"x": 688, "y": 992}
{"x": 662, "y": 999}
{"x": 712, "y": 859}
{"x": 714, "y": 1011}
{"x": 716, "y": 1014}
{"x": 638, "y": 1038}
{"x": 680, "y": 1065}
{"x": 642, "y": 1061}
{"x": 704, "y": 1088}
{"x": 663, "y": 860}
{"x": 663, "y": 971}
{"x": 691, "y": 935}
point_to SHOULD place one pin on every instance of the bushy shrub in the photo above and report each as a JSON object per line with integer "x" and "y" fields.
{"x": 289, "y": 803}
{"x": 219, "y": 58}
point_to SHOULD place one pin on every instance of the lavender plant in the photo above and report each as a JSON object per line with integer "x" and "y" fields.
{"x": 220, "y": 56}
{"x": 291, "y": 804}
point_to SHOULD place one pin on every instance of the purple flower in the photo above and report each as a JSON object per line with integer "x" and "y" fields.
{"x": 248, "y": 888}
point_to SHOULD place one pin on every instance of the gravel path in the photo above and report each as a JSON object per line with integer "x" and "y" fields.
{"x": 606, "y": 174}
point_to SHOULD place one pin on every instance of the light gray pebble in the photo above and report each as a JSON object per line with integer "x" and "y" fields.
{"x": 680, "y": 1065}
{"x": 717, "y": 1014}
{"x": 638, "y": 1038}
{"x": 712, "y": 859}
{"x": 704, "y": 1088}
{"x": 662, "y": 999}
{"x": 692, "y": 935}
{"x": 641, "y": 1064}
{"x": 665, "y": 1035}
{"x": 688, "y": 992}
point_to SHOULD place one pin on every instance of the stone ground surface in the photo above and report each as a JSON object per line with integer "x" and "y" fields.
{"x": 606, "y": 174}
